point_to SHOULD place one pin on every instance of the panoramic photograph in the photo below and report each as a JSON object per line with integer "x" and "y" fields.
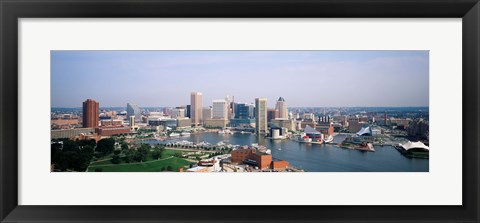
{"x": 239, "y": 111}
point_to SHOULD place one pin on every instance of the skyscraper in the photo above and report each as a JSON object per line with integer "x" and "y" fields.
{"x": 187, "y": 111}
{"x": 281, "y": 107}
{"x": 261, "y": 116}
{"x": 220, "y": 109}
{"x": 196, "y": 108}
{"x": 242, "y": 111}
{"x": 134, "y": 110}
{"x": 90, "y": 113}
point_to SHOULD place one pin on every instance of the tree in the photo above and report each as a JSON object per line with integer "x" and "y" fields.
{"x": 128, "y": 156}
{"x": 123, "y": 146}
{"x": 105, "y": 146}
{"x": 116, "y": 152}
{"x": 89, "y": 142}
{"x": 115, "y": 159}
{"x": 169, "y": 168}
{"x": 73, "y": 155}
{"x": 156, "y": 155}
{"x": 158, "y": 151}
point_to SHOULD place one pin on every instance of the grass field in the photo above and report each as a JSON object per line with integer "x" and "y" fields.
{"x": 148, "y": 165}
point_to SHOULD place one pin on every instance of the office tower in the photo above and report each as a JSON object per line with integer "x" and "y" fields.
{"x": 207, "y": 113}
{"x": 272, "y": 114}
{"x": 187, "y": 111}
{"x": 220, "y": 109}
{"x": 261, "y": 116}
{"x": 132, "y": 121}
{"x": 196, "y": 108}
{"x": 229, "y": 111}
{"x": 242, "y": 111}
{"x": 251, "y": 111}
{"x": 90, "y": 113}
{"x": 134, "y": 110}
{"x": 281, "y": 107}
{"x": 178, "y": 113}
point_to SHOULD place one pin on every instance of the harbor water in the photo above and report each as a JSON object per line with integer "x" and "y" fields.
{"x": 319, "y": 157}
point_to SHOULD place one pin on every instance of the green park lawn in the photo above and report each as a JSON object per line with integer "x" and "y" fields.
{"x": 149, "y": 165}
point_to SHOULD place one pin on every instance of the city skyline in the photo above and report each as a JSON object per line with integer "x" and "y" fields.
{"x": 303, "y": 78}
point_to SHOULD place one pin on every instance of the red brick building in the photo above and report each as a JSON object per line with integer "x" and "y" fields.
{"x": 111, "y": 123}
{"x": 325, "y": 128}
{"x": 279, "y": 165}
{"x": 263, "y": 160}
{"x": 114, "y": 130}
{"x": 90, "y": 113}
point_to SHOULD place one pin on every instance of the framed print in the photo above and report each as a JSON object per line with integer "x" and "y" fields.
{"x": 201, "y": 111}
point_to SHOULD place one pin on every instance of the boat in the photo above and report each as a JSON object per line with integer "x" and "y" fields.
{"x": 221, "y": 132}
{"x": 174, "y": 134}
{"x": 185, "y": 134}
{"x": 329, "y": 139}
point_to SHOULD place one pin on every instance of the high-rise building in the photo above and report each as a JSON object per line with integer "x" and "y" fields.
{"x": 134, "y": 110}
{"x": 261, "y": 116}
{"x": 90, "y": 113}
{"x": 196, "y": 108}
{"x": 242, "y": 111}
{"x": 220, "y": 109}
{"x": 178, "y": 113}
{"x": 251, "y": 110}
{"x": 272, "y": 114}
{"x": 281, "y": 107}
{"x": 230, "y": 114}
{"x": 187, "y": 111}
{"x": 207, "y": 113}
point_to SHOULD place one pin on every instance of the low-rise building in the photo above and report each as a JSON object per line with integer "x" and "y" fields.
{"x": 112, "y": 130}
{"x": 325, "y": 128}
{"x": 70, "y": 133}
{"x": 283, "y": 123}
{"x": 184, "y": 123}
{"x": 252, "y": 157}
{"x": 279, "y": 165}
{"x": 216, "y": 123}
{"x": 111, "y": 122}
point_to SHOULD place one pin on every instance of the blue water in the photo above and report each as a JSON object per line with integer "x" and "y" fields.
{"x": 322, "y": 157}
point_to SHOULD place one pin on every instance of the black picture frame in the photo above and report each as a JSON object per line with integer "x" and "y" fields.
{"x": 11, "y": 11}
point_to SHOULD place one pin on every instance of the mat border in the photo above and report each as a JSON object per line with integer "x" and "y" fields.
{"x": 12, "y": 10}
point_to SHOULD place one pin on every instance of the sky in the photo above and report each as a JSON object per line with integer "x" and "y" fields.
{"x": 303, "y": 78}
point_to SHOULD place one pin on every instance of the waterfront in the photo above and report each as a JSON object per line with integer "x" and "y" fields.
{"x": 319, "y": 158}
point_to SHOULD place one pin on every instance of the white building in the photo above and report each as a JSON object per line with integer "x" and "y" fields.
{"x": 220, "y": 109}
{"x": 134, "y": 110}
{"x": 178, "y": 113}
